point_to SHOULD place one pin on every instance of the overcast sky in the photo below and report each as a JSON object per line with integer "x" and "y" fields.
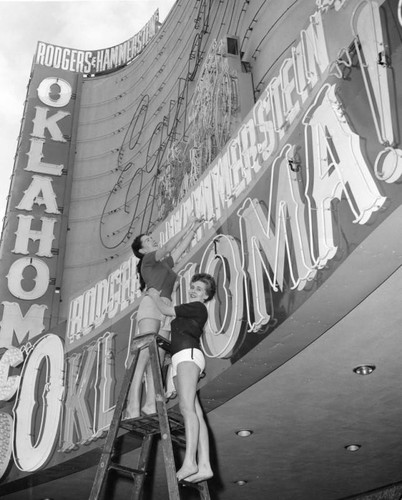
{"x": 82, "y": 24}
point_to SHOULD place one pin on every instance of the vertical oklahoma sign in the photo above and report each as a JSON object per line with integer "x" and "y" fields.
{"x": 30, "y": 253}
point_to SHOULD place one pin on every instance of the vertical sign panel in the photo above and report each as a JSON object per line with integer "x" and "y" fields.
{"x": 29, "y": 279}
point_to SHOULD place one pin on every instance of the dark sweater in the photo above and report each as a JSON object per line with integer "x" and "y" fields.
{"x": 188, "y": 325}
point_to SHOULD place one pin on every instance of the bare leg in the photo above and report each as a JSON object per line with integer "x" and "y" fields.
{"x": 146, "y": 325}
{"x": 150, "y": 405}
{"x": 186, "y": 384}
{"x": 171, "y": 392}
{"x": 204, "y": 465}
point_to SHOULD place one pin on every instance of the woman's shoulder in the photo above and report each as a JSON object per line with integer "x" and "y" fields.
{"x": 200, "y": 305}
{"x": 196, "y": 304}
{"x": 195, "y": 307}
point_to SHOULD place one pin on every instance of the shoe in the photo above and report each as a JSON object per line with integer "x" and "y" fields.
{"x": 170, "y": 395}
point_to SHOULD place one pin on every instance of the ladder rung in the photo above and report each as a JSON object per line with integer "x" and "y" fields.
{"x": 196, "y": 486}
{"x": 143, "y": 341}
{"x": 126, "y": 470}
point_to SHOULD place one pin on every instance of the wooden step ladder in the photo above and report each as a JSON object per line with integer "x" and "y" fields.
{"x": 166, "y": 423}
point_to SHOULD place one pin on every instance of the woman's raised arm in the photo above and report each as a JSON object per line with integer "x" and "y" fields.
{"x": 178, "y": 243}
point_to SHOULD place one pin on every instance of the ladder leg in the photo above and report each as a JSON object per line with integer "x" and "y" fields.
{"x": 166, "y": 439}
{"x": 104, "y": 462}
{"x": 142, "y": 465}
{"x": 204, "y": 491}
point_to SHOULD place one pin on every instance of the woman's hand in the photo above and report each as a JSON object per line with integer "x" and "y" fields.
{"x": 198, "y": 222}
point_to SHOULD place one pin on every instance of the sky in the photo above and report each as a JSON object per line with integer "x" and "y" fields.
{"x": 82, "y": 24}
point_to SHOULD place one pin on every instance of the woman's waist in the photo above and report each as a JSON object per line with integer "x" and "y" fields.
{"x": 185, "y": 338}
{"x": 176, "y": 348}
{"x": 153, "y": 292}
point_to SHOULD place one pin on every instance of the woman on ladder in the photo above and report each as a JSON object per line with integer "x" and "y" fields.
{"x": 155, "y": 269}
{"x": 188, "y": 362}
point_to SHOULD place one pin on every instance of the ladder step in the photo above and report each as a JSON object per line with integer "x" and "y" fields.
{"x": 126, "y": 470}
{"x": 196, "y": 486}
{"x": 149, "y": 424}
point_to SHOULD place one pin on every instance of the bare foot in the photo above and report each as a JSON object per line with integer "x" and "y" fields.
{"x": 186, "y": 471}
{"x": 149, "y": 409}
{"x": 203, "y": 474}
{"x": 170, "y": 395}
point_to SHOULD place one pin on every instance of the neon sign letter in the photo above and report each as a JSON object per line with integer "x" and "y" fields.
{"x": 336, "y": 168}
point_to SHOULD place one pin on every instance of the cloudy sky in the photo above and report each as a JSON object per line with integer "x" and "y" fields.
{"x": 83, "y": 24}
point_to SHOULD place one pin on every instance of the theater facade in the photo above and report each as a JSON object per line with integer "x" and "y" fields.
{"x": 277, "y": 122}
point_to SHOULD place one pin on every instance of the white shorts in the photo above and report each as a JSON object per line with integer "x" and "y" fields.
{"x": 194, "y": 355}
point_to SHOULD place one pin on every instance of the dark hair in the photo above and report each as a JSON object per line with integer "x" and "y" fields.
{"x": 136, "y": 246}
{"x": 209, "y": 282}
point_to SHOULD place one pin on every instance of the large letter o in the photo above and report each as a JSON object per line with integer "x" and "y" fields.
{"x": 15, "y": 276}
{"x": 54, "y": 92}
{"x": 33, "y": 447}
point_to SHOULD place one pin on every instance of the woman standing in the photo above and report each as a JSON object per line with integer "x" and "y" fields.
{"x": 188, "y": 362}
{"x": 155, "y": 269}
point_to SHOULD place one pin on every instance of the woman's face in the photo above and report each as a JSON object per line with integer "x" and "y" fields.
{"x": 148, "y": 244}
{"x": 198, "y": 292}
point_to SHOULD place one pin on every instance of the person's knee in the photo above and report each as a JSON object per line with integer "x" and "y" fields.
{"x": 186, "y": 408}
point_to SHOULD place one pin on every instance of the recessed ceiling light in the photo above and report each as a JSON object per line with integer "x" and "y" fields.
{"x": 353, "y": 447}
{"x": 364, "y": 369}
{"x": 241, "y": 482}
{"x": 244, "y": 433}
